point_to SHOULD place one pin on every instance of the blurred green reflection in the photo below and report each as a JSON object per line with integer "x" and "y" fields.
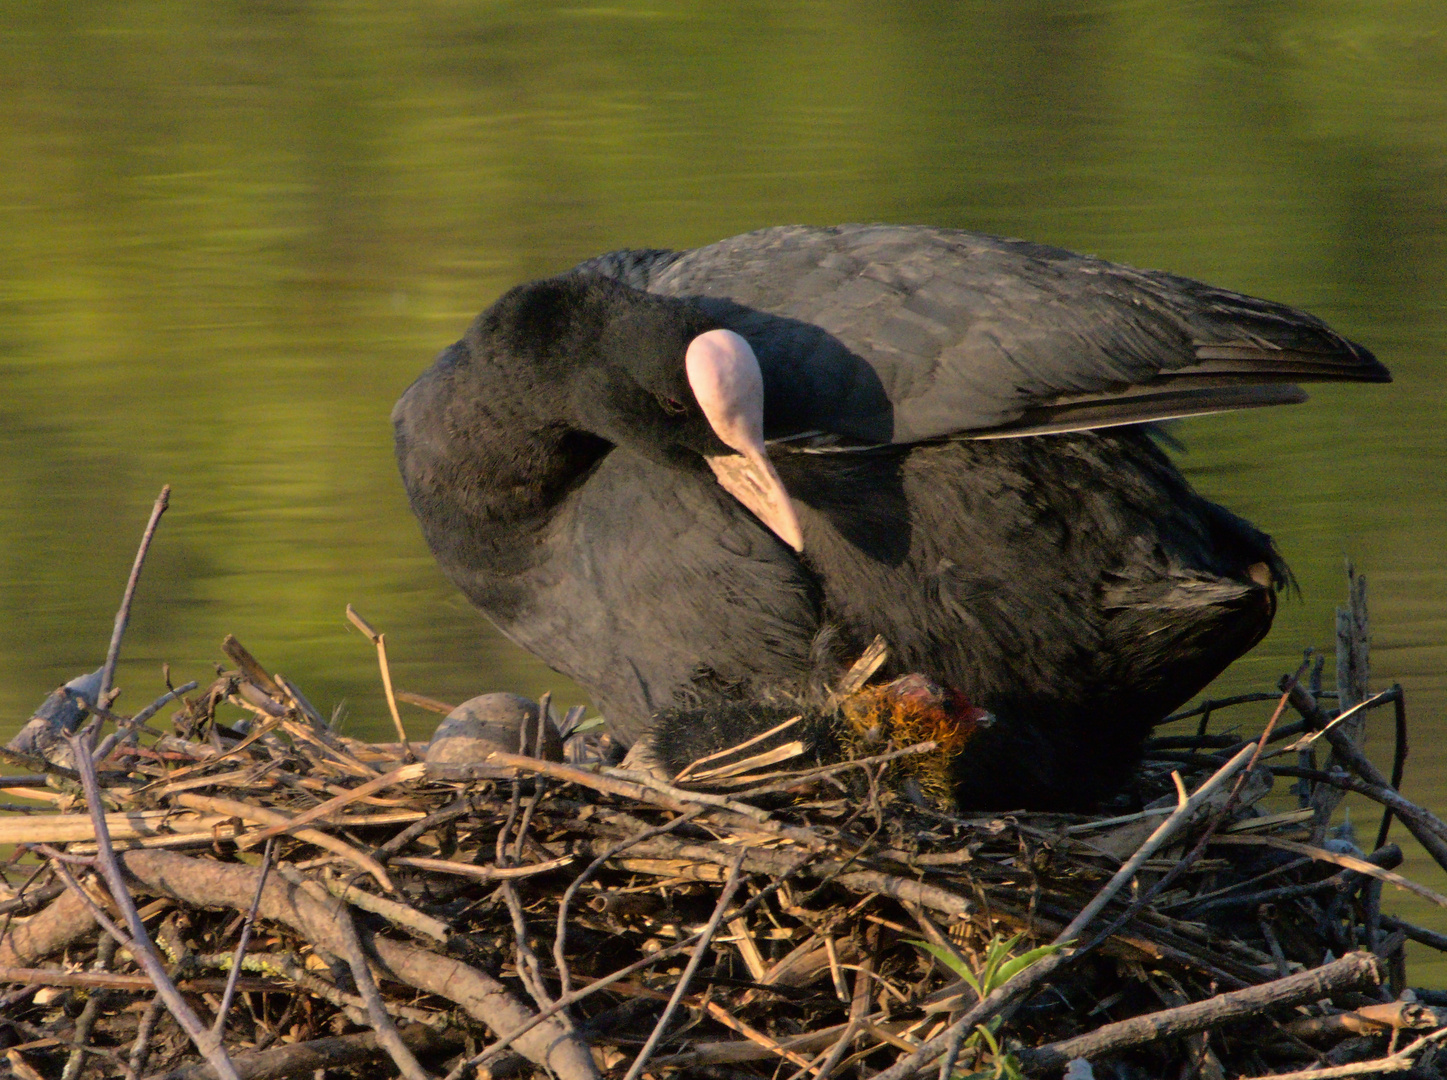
{"x": 231, "y": 234}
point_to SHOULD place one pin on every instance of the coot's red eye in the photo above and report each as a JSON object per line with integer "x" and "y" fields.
{"x": 671, "y": 405}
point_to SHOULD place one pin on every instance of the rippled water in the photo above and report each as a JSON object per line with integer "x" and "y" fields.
{"x": 231, "y": 235}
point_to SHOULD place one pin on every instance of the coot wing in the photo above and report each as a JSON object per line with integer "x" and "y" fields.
{"x": 886, "y": 333}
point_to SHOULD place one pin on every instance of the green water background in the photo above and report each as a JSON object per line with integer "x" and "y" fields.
{"x": 231, "y": 234}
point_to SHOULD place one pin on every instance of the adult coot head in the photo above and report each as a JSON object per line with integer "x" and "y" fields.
{"x": 585, "y": 355}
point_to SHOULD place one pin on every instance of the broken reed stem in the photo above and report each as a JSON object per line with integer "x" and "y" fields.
{"x": 540, "y": 785}
{"x": 688, "y": 770}
{"x": 396, "y": 776}
{"x": 262, "y": 816}
{"x": 219, "y": 1028}
{"x": 704, "y": 941}
{"x": 380, "y": 640}
{"x": 123, "y": 615}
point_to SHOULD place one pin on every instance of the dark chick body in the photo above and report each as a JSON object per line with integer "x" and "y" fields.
{"x": 1072, "y": 584}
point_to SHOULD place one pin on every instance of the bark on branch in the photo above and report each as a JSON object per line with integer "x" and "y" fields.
{"x": 212, "y": 884}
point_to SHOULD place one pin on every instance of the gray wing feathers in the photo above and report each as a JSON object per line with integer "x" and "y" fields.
{"x": 892, "y": 333}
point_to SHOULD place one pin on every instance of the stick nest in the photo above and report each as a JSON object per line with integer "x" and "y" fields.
{"x": 798, "y": 931}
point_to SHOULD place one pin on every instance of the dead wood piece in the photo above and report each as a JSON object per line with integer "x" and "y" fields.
{"x": 68, "y": 828}
{"x": 249, "y": 666}
{"x": 1368, "y": 1020}
{"x": 31, "y": 940}
{"x": 105, "y": 980}
{"x": 399, "y": 914}
{"x": 340, "y": 802}
{"x": 808, "y": 959}
{"x": 329, "y": 1053}
{"x": 424, "y": 702}
{"x": 250, "y": 812}
{"x": 1420, "y": 934}
{"x": 211, "y": 884}
{"x": 31, "y": 900}
{"x": 1351, "y": 971}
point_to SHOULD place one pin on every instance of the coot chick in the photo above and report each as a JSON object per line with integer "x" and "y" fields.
{"x": 955, "y": 461}
{"x": 712, "y": 743}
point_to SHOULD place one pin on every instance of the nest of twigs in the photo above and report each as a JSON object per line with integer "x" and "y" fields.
{"x": 578, "y": 921}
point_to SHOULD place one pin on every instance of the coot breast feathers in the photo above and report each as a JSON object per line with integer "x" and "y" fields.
{"x": 684, "y": 476}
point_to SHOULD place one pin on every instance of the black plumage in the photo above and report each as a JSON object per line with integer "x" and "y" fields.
{"x": 1072, "y": 583}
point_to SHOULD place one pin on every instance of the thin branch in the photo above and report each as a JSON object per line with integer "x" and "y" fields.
{"x": 219, "y": 1028}
{"x": 560, "y": 936}
{"x": 459, "y": 808}
{"x": 700, "y": 950}
{"x": 1168, "y": 828}
{"x": 133, "y": 725}
{"x": 1399, "y": 756}
{"x": 1256, "y": 747}
{"x": 387, "y": 1033}
{"x": 139, "y": 944}
{"x": 123, "y": 616}
{"x": 622, "y": 973}
{"x": 145, "y": 954}
{"x": 141, "y": 1048}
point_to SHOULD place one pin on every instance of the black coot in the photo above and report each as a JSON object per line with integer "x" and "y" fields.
{"x": 955, "y": 461}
